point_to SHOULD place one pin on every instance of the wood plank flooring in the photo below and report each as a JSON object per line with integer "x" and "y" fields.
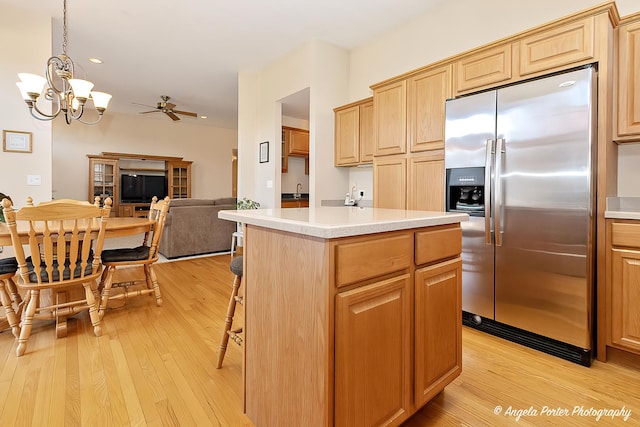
{"x": 156, "y": 366}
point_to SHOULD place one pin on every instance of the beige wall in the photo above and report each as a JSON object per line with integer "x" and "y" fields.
{"x": 209, "y": 148}
{"x": 29, "y": 55}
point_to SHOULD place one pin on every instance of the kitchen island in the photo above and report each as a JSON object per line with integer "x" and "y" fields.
{"x": 352, "y": 315}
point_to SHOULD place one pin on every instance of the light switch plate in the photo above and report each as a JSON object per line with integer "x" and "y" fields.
{"x": 34, "y": 180}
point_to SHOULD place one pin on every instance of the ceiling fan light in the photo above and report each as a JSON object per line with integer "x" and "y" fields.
{"x": 100, "y": 99}
{"x": 81, "y": 88}
{"x": 32, "y": 83}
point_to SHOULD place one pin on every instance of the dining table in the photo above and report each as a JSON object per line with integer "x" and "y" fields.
{"x": 116, "y": 227}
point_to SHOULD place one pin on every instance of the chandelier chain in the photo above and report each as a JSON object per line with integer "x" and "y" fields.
{"x": 64, "y": 27}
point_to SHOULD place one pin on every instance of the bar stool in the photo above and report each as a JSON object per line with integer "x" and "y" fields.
{"x": 8, "y": 269}
{"x": 236, "y": 269}
{"x": 236, "y": 240}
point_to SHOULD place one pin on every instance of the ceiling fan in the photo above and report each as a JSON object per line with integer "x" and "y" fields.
{"x": 168, "y": 108}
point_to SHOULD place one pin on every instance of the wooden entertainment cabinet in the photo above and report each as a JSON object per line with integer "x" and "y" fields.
{"x": 105, "y": 170}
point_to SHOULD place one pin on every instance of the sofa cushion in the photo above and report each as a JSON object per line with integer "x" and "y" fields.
{"x": 190, "y": 202}
{"x": 225, "y": 201}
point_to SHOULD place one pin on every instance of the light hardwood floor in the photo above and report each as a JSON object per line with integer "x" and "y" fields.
{"x": 156, "y": 366}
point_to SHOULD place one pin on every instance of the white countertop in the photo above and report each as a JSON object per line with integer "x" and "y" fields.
{"x": 332, "y": 222}
{"x": 623, "y": 208}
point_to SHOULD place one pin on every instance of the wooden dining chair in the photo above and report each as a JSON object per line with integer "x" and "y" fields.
{"x": 65, "y": 239}
{"x": 145, "y": 255}
{"x": 9, "y": 296}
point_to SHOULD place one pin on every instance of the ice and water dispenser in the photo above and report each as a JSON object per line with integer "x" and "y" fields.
{"x": 465, "y": 190}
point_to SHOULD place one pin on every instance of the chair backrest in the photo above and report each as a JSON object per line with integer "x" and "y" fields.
{"x": 157, "y": 212}
{"x": 65, "y": 239}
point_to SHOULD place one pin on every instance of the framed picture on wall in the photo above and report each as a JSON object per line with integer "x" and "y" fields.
{"x": 264, "y": 152}
{"x": 16, "y": 141}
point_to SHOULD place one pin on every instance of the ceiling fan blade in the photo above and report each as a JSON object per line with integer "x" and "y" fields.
{"x": 146, "y": 112}
{"x": 170, "y": 106}
{"x": 173, "y": 116}
{"x": 186, "y": 113}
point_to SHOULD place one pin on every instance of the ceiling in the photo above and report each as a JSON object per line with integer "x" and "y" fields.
{"x": 193, "y": 50}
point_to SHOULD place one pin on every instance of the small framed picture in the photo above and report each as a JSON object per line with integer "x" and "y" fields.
{"x": 16, "y": 141}
{"x": 264, "y": 152}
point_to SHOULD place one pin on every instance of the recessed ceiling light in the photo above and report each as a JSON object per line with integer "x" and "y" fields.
{"x": 95, "y": 60}
{"x": 203, "y": 117}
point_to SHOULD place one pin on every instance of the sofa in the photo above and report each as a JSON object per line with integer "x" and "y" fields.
{"x": 192, "y": 227}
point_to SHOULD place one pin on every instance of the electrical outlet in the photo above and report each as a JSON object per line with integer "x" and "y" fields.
{"x": 361, "y": 194}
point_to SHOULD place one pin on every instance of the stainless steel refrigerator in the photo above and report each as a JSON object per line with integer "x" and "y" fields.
{"x": 520, "y": 160}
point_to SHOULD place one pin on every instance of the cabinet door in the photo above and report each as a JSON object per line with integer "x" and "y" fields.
{"x": 555, "y": 48}
{"x": 298, "y": 141}
{"x": 426, "y": 182}
{"x": 390, "y": 182}
{"x": 366, "y": 132}
{"x": 426, "y": 96}
{"x": 373, "y": 354}
{"x": 484, "y": 68}
{"x": 347, "y": 144}
{"x": 625, "y": 294}
{"x": 628, "y": 80}
{"x": 390, "y": 113}
{"x": 179, "y": 177}
{"x": 438, "y": 328}
{"x": 104, "y": 181}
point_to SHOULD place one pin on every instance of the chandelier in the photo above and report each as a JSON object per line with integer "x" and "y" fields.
{"x": 67, "y": 94}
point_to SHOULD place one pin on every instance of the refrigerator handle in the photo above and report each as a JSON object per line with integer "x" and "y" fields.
{"x": 488, "y": 163}
{"x": 497, "y": 195}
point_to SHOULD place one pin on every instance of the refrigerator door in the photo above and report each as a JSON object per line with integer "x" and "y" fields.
{"x": 470, "y": 123}
{"x": 544, "y": 264}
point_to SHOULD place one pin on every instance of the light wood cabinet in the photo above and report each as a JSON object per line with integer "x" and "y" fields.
{"x": 390, "y": 182}
{"x": 179, "y": 179}
{"x": 438, "y": 328}
{"x": 485, "y": 68}
{"x": 623, "y": 285}
{"x": 556, "y": 47}
{"x": 373, "y": 353}
{"x": 354, "y": 133}
{"x": 104, "y": 180}
{"x": 296, "y": 141}
{"x": 390, "y": 118}
{"x": 427, "y": 93}
{"x": 426, "y": 178}
{"x": 628, "y": 80}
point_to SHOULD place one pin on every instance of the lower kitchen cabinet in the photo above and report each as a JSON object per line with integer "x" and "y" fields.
{"x": 373, "y": 353}
{"x": 623, "y": 287}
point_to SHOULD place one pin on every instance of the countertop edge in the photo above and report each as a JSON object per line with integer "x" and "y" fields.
{"x": 343, "y": 230}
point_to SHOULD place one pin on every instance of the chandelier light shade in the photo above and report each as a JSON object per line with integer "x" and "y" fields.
{"x": 67, "y": 94}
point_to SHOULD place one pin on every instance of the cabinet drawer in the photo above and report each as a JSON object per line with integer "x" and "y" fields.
{"x": 361, "y": 259}
{"x": 625, "y": 235}
{"x": 438, "y": 243}
{"x": 555, "y": 48}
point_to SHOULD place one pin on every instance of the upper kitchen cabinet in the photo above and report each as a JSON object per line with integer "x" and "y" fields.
{"x": 628, "y": 79}
{"x": 426, "y": 96}
{"x": 296, "y": 141}
{"x": 354, "y": 133}
{"x": 485, "y": 68}
{"x": 390, "y": 118}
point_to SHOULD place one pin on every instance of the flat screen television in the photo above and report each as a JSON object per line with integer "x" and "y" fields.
{"x": 135, "y": 188}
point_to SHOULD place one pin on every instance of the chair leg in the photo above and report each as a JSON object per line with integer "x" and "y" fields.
{"x": 105, "y": 283}
{"x": 228, "y": 321}
{"x": 93, "y": 309}
{"x": 27, "y": 322}
{"x": 7, "y": 303}
{"x": 152, "y": 282}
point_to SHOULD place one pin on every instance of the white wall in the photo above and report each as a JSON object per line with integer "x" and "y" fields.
{"x": 455, "y": 27}
{"x": 209, "y": 148}
{"x": 324, "y": 69}
{"x": 25, "y": 47}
